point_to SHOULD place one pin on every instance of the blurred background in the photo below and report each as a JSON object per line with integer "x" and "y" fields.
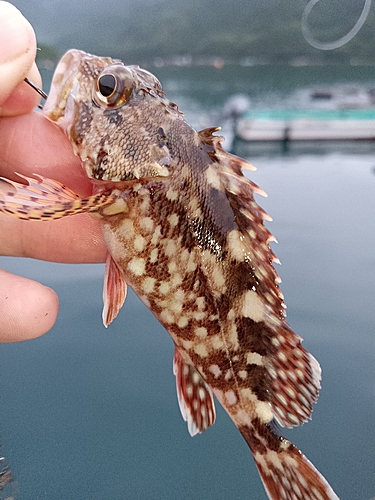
{"x": 89, "y": 413}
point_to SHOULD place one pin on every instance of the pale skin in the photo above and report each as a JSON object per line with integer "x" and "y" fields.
{"x": 30, "y": 144}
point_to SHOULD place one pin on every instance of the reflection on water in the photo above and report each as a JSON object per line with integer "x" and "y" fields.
{"x": 302, "y": 148}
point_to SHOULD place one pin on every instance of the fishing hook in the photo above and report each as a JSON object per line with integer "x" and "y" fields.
{"x": 37, "y": 89}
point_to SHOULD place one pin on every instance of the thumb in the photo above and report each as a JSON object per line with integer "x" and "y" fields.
{"x": 27, "y": 308}
{"x": 17, "y": 55}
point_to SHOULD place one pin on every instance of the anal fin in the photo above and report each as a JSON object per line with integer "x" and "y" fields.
{"x": 194, "y": 396}
{"x": 114, "y": 291}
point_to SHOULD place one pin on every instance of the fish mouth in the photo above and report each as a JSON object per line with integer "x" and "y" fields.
{"x": 59, "y": 106}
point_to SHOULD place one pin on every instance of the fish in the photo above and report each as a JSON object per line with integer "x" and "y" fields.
{"x": 183, "y": 229}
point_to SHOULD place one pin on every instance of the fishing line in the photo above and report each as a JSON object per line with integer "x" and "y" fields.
{"x": 337, "y": 43}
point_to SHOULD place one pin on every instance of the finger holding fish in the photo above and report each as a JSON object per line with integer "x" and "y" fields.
{"x": 29, "y": 144}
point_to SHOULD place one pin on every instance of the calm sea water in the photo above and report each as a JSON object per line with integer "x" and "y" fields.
{"x": 90, "y": 413}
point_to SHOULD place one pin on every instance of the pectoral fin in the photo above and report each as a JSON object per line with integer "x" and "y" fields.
{"x": 114, "y": 291}
{"x": 194, "y": 396}
{"x": 46, "y": 199}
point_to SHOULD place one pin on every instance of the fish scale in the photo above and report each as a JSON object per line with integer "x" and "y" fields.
{"x": 183, "y": 229}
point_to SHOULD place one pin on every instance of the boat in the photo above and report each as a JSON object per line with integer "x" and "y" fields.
{"x": 306, "y": 125}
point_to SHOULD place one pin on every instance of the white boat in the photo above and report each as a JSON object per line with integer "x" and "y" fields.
{"x": 307, "y": 125}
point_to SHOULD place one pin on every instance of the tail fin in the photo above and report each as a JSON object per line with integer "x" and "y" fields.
{"x": 286, "y": 473}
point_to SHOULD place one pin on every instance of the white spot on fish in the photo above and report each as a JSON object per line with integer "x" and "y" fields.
{"x": 231, "y": 315}
{"x": 264, "y": 411}
{"x": 201, "y": 350}
{"x": 202, "y": 394}
{"x": 275, "y": 341}
{"x": 200, "y": 301}
{"x": 212, "y": 178}
{"x": 139, "y": 243}
{"x": 126, "y": 229}
{"x": 281, "y": 356}
{"x": 172, "y": 194}
{"x": 217, "y": 342}
{"x": 179, "y": 295}
{"x": 182, "y": 322}
{"x": 147, "y": 224}
{"x": 187, "y": 344}
{"x": 233, "y": 336}
{"x": 215, "y": 370}
{"x": 156, "y": 235}
{"x": 167, "y": 317}
{"x": 253, "y": 358}
{"x": 290, "y": 392}
{"x": 261, "y": 408}
{"x": 219, "y": 279}
{"x": 201, "y": 332}
{"x": 148, "y": 284}
{"x": 137, "y": 266}
{"x": 199, "y": 316}
{"x": 154, "y": 255}
{"x": 252, "y": 306}
{"x": 170, "y": 248}
{"x": 172, "y": 267}
{"x": 191, "y": 264}
{"x": 173, "y": 220}
{"x": 176, "y": 280}
{"x": 235, "y": 244}
{"x": 176, "y": 306}
{"x": 164, "y": 287}
{"x": 231, "y": 397}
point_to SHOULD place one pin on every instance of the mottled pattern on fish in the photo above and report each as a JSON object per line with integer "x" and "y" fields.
{"x": 183, "y": 229}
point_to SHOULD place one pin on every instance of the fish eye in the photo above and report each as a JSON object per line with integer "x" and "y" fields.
{"x": 107, "y": 85}
{"x": 114, "y": 86}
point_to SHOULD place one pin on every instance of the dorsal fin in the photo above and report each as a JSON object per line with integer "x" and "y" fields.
{"x": 294, "y": 372}
{"x": 219, "y": 153}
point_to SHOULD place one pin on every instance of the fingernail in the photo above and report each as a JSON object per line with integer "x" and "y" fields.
{"x": 16, "y": 34}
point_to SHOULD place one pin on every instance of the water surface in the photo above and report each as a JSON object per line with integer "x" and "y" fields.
{"x": 92, "y": 413}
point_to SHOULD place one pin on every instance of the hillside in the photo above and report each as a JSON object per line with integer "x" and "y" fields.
{"x": 252, "y": 30}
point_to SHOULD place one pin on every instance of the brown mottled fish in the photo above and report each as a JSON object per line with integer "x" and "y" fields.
{"x": 183, "y": 229}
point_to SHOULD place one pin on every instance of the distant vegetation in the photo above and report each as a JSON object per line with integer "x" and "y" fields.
{"x": 262, "y": 30}
{"x": 242, "y": 30}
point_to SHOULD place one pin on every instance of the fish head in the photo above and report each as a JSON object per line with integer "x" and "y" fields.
{"x": 111, "y": 113}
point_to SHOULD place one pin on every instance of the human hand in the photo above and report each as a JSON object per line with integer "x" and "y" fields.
{"x": 30, "y": 144}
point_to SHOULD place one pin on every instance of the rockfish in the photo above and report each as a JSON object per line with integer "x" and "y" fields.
{"x": 183, "y": 229}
